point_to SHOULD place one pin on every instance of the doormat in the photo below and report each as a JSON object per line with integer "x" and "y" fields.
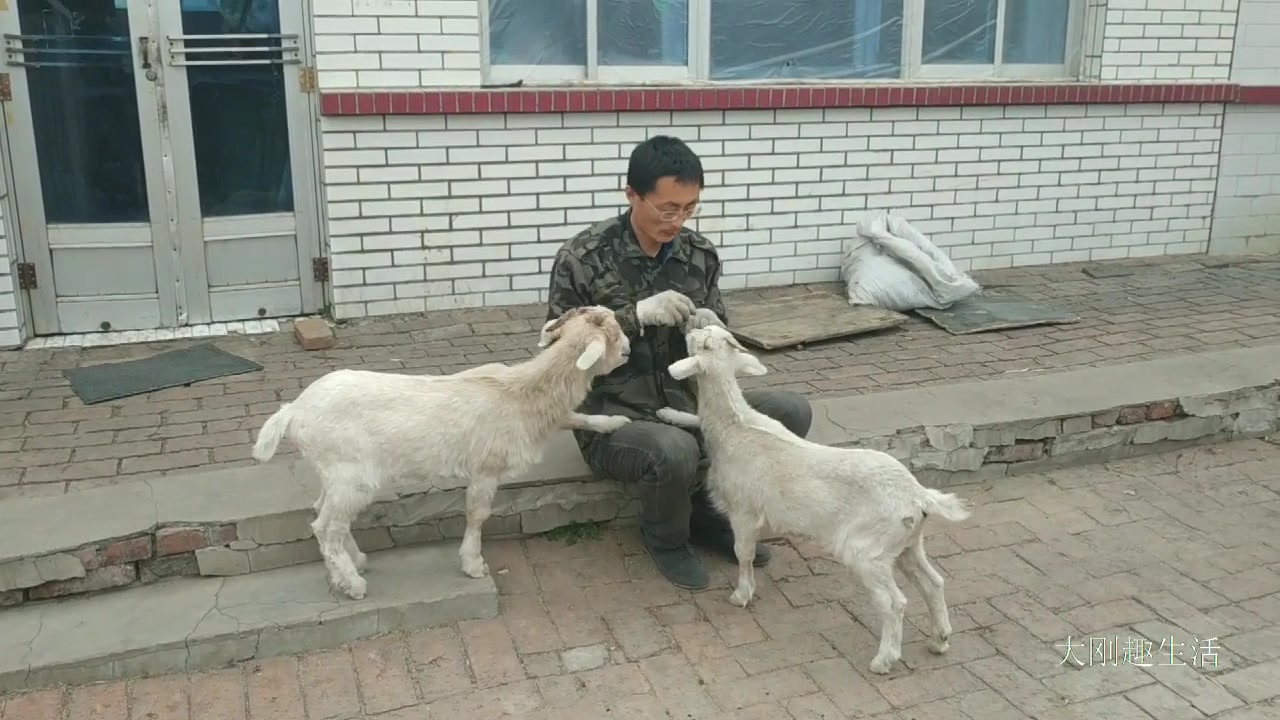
{"x": 111, "y": 381}
{"x": 985, "y": 313}
{"x": 775, "y": 323}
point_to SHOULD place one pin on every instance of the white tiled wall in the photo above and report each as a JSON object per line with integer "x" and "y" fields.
{"x": 1246, "y": 215}
{"x": 397, "y": 43}
{"x": 11, "y": 334}
{"x": 1168, "y": 39}
{"x": 429, "y": 212}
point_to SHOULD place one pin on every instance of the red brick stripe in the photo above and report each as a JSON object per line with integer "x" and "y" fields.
{"x": 566, "y": 100}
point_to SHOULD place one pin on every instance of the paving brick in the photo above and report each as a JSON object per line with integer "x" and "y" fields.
{"x": 491, "y": 652}
{"x": 382, "y": 670}
{"x": 219, "y": 695}
{"x": 38, "y": 705}
{"x": 109, "y": 701}
{"x": 163, "y": 698}
{"x": 329, "y": 684}
{"x": 274, "y": 690}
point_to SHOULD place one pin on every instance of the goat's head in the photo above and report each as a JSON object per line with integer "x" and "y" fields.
{"x": 714, "y": 348}
{"x": 596, "y": 331}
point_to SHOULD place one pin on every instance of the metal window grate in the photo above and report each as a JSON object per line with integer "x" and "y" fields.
{"x": 234, "y": 49}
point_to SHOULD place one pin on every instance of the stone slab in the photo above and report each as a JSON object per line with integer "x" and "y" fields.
{"x": 193, "y": 623}
{"x": 283, "y": 491}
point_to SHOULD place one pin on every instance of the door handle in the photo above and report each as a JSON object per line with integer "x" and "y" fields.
{"x": 144, "y": 49}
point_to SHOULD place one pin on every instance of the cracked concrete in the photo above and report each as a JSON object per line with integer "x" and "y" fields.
{"x": 194, "y": 623}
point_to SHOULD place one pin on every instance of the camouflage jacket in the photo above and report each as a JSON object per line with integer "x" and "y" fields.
{"x": 604, "y": 265}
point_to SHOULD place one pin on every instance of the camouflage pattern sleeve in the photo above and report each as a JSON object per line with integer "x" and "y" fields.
{"x": 714, "y": 302}
{"x": 571, "y": 287}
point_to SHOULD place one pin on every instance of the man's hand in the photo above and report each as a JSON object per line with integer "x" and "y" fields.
{"x": 703, "y": 317}
{"x": 666, "y": 308}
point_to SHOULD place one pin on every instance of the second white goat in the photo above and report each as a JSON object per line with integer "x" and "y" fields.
{"x": 864, "y": 506}
{"x": 486, "y": 425}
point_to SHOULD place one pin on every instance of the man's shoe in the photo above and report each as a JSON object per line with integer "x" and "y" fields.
{"x": 680, "y": 567}
{"x": 720, "y": 541}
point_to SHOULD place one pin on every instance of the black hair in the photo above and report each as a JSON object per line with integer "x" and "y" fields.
{"x": 662, "y": 156}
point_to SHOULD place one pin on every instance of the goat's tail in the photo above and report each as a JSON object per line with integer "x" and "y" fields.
{"x": 948, "y": 506}
{"x": 272, "y": 431}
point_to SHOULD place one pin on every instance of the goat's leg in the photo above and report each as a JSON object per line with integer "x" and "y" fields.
{"x": 746, "y": 529}
{"x": 342, "y": 503}
{"x": 595, "y": 423}
{"x": 480, "y": 494}
{"x": 358, "y": 558}
{"x": 915, "y": 565}
{"x": 890, "y": 603}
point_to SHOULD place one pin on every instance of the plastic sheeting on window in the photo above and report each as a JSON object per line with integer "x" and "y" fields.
{"x": 538, "y": 32}
{"x": 644, "y": 32}
{"x": 963, "y": 32}
{"x": 803, "y": 39}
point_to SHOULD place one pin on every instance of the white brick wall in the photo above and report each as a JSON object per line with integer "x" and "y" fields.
{"x": 1168, "y": 39}
{"x": 397, "y": 43}
{"x": 1246, "y": 214}
{"x": 11, "y": 335}
{"x": 1257, "y": 51}
{"x": 431, "y": 212}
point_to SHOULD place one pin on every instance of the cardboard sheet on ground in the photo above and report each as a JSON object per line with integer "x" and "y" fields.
{"x": 987, "y": 312}
{"x": 774, "y": 323}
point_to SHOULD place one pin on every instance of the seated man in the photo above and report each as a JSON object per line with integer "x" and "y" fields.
{"x": 658, "y": 275}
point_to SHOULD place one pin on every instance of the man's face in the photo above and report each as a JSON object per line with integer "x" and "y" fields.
{"x": 662, "y": 213}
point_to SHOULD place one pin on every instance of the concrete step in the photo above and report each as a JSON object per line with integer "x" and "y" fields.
{"x": 257, "y": 518}
{"x": 194, "y": 623}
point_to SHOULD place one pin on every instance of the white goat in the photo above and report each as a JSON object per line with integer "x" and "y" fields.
{"x": 864, "y": 506}
{"x": 487, "y": 425}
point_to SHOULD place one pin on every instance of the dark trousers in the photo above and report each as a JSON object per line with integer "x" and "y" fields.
{"x": 664, "y": 460}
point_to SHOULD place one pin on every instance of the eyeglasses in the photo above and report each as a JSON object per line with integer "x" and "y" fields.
{"x": 673, "y": 215}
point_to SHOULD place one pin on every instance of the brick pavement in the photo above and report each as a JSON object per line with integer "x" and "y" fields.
{"x": 51, "y": 442}
{"x": 1180, "y": 545}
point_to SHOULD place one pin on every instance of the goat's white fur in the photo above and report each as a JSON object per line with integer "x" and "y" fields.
{"x": 863, "y": 506}
{"x": 486, "y": 425}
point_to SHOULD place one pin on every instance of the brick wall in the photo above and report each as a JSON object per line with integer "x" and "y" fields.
{"x": 397, "y": 43}
{"x": 1247, "y": 206}
{"x": 1168, "y": 39}
{"x": 431, "y": 212}
{"x": 11, "y": 334}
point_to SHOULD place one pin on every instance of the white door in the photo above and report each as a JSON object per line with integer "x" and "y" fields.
{"x": 163, "y": 157}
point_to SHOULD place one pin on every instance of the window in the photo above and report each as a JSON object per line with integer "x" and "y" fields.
{"x": 547, "y": 42}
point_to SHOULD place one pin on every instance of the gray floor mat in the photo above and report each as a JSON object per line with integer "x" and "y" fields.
{"x": 111, "y": 381}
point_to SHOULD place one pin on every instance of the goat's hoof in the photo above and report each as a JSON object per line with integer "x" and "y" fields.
{"x": 938, "y": 644}
{"x": 881, "y": 665}
{"x": 357, "y": 589}
{"x": 476, "y": 569}
{"x": 740, "y": 598}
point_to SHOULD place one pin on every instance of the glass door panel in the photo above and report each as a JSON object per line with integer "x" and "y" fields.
{"x": 237, "y": 66}
{"x": 87, "y": 202}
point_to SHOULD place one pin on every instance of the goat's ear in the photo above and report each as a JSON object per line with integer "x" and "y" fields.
{"x": 546, "y": 337}
{"x": 685, "y": 368}
{"x": 593, "y": 353}
{"x": 748, "y": 364}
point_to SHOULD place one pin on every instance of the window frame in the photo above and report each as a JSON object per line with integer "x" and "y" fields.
{"x": 697, "y": 71}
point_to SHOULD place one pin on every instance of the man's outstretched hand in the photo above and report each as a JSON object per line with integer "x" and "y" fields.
{"x": 703, "y": 317}
{"x": 666, "y": 308}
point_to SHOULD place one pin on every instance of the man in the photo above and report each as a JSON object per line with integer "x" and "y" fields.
{"x": 658, "y": 276}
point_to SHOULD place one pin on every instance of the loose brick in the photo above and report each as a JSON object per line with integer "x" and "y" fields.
{"x": 313, "y": 334}
{"x": 1162, "y": 410}
{"x": 125, "y": 551}
{"x": 102, "y": 578}
{"x": 1016, "y": 453}
{"x": 1132, "y": 415}
{"x": 175, "y": 540}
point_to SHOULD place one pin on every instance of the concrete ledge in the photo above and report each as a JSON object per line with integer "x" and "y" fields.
{"x": 188, "y": 624}
{"x": 243, "y": 520}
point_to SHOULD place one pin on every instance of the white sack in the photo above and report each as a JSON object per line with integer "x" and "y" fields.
{"x": 892, "y": 265}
